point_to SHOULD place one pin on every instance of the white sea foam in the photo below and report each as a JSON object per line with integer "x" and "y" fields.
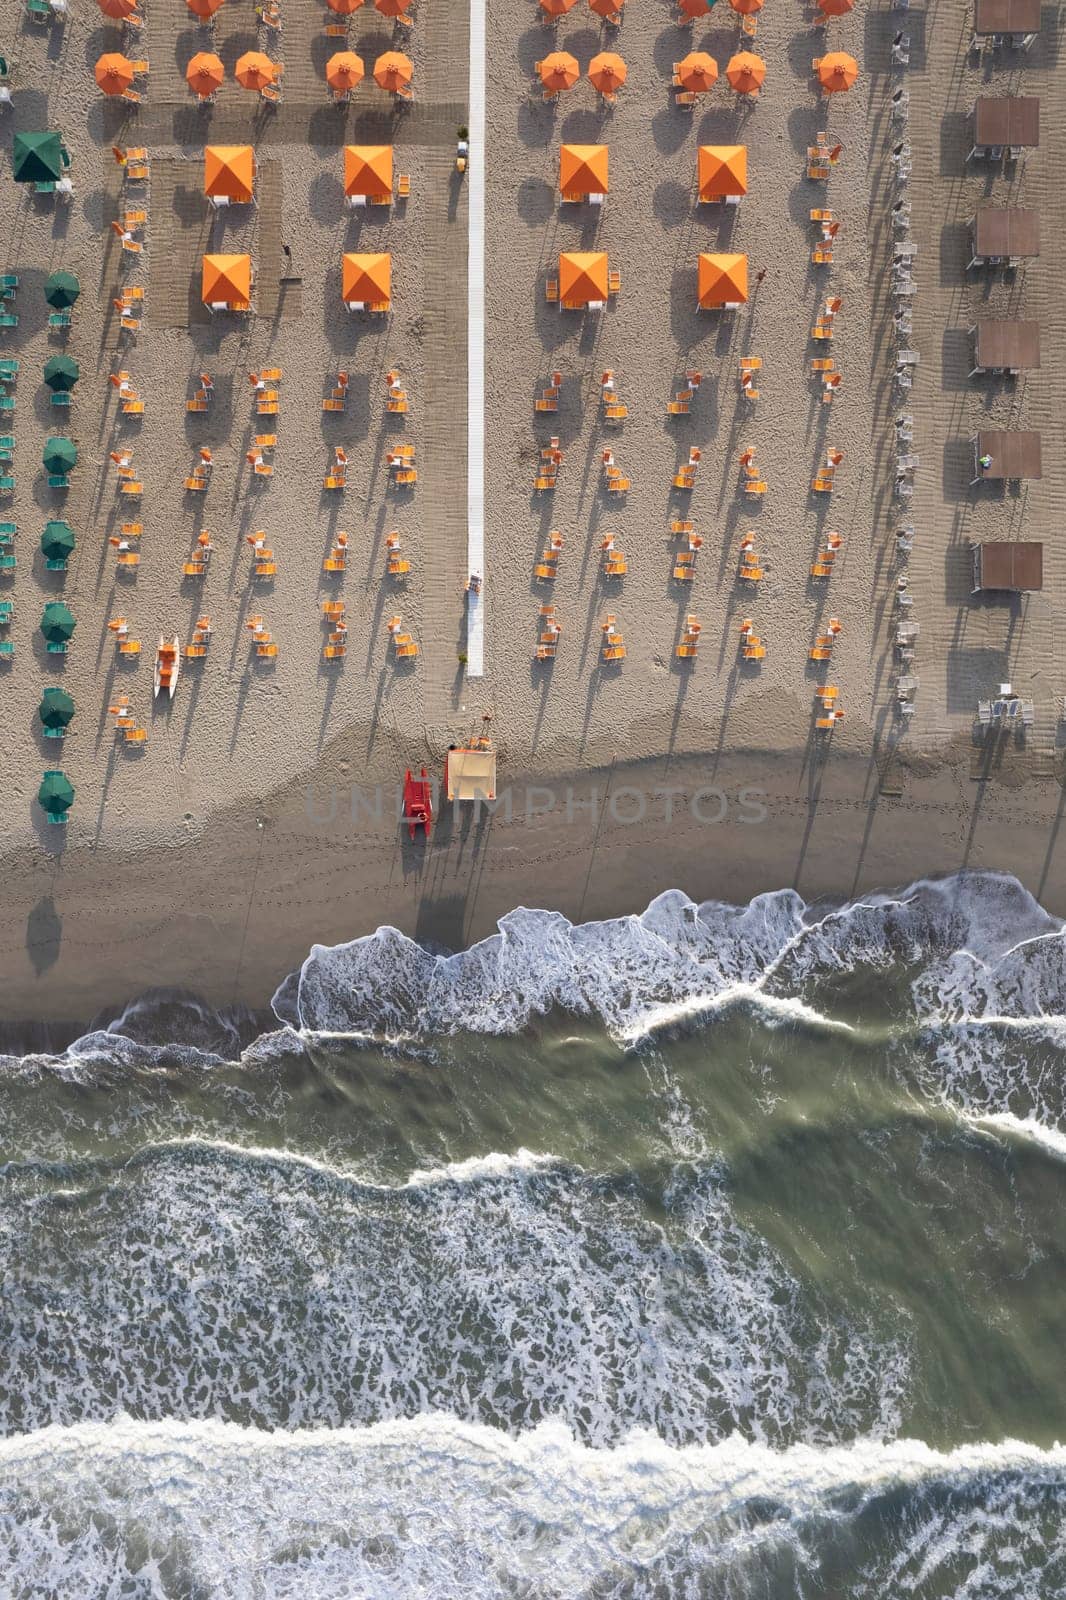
{"x": 437, "y": 1506}
{"x": 1025, "y": 1129}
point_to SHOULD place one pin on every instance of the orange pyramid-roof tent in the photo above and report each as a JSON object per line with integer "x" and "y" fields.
{"x": 582, "y": 277}
{"x": 583, "y": 169}
{"x": 558, "y": 71}
{"x": 368, "y": 170}
{"x": 366, "y": 279}
{"x": 114, "y": 73}
{"x": 698, "y": 72}
{"x": 837, "y": 72}
{"x": 229, "y": 172}
{"x": 204, "y": 74}
{"x": 227, "y": 280}
{"x": 344, "y": 70}
{"x": 746, "y": 72}
{"x": 722, "y": 170}
{"x": 723, "y": 280}
{"x": 607, "y": 72}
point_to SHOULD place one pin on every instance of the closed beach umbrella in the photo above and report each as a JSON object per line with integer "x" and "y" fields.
{"x": 255, "y": 71}
{"x": 396, "y": 8}
{"x": 582, "y": 277}
{"x": 722, "y": 280}
{"x": 698, "y": 72}
{"x": 117, "y": 9}
{"x": 835, "y": 8}
{"x": 368, "y": 170}
{"x": 227, "y": 280}
{"x": 558, "y": 71}
{"x": 61, "y": 372}
{"x": 56, "y": 794}
{"x": 57, "y": 622}
{"x": 344, "y": 71}
{"x": 203, "y": 9}
{"x": 59, "y": 454}
{"x": 344, "y": 8}
{"x": 229, "y": 172}
{"x": 551, "y": 8}
{"x": 114, "y": 73}
{"x": 57, "y": 541}
{"x": 366, "y": 279}
{"x": 37, "y": 157}
{"x": 722, "y": 170}
{"x": 746, "y": 72}
{"x": 204, "y": 74}
{"x": 837, "y": 72}
{"x": 61, "y": 289}
{"x": 582, "y": 169}
{"x": 56, "y": 708}
{"x": 392, "y": 71}
{"x": 607, "y": 72}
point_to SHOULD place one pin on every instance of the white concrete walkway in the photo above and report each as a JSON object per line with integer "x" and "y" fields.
{"x": 475, "y": 384}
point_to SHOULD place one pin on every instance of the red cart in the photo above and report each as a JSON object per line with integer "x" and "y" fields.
{"x": 417, "y": 802}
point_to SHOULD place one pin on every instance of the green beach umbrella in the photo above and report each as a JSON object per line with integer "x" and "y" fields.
{"x": 59, "y": 454}
{"x": 61, "y": 372}
{"x": 57, "y": 622}
{"x": 57, "y": 540}
{"x": 56, "y": 792}
{"x": 61, "y": 289}
{"x": 56, "y": 708}
{"x": 37, "y": 157}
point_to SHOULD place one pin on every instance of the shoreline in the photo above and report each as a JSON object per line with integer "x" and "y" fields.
{"x": 229, "y": 915}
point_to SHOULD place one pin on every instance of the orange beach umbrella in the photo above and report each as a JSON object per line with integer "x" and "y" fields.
{"x": 558, "y": 71}
{"x": 344, "y": 70}
{"x": 746, "y": 8}
{"x": 204, "y": 74}
{"x": 583, "y": 169}
{"x": 837, "y": 72}
{"x": 368, "y": 170}
{"x": 229, "y": 172}
{"x": 553, "y": 8}
{"x": 392, "y": 8}
{"x": 610, "y": 9}
{"x": 393, "y": 71}
{"x": 698, "y": 72}
{"x": 692, "y": 9}
{"x": 722, "y": 170}
{"x": 344, "y": 8}
{"x": 227, "y": 280}
{"x": 835, "y": 8}
{"x": 366, "y": 279}
{"x": 203, "y": 8}
{"x": 722, "y": 280}
{"x": 114, "y": 73}
{"x": 254, "y": 70}
{"x": 582, "y": 277}
{"x": 607, "y": 72}
{"x": 119, "y": 9}
{"x": 746, "y": 72}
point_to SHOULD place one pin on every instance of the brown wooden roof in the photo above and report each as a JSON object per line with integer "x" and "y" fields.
{"x": 1010, "y": 564}
{"x": 1006, "y": 231}
{"x": 1007, "y": 16}
{"x": 1007, "y": 119}
{"x": 1008, "y": 344}
{"x": 1014, "y": 454}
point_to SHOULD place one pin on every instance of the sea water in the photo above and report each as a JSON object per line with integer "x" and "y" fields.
{"x": 709, "y": 1252}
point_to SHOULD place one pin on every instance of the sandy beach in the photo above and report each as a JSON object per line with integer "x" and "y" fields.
{"x": 215, "y": 857}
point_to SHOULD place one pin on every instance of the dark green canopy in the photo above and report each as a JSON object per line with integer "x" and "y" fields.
{"x": 37, "y": 157}
{"x": 56, "y": 708}
{"x": 56, "y": 792}
{"x": 61, "y": 289}
{"x": 59, "y": 454}
{"x": 61, "y": 372}
{"x": 57, "y": 622}
{"x": 57, "y": 540}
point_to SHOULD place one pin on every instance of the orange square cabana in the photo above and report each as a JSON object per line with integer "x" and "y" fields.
{"x": 229, "y": 174}
{"x": 583, "y": 279}
{"x": 226, "y": 283}
{"x": 366, "y": 282}
{"x": 583, "y": 172}
{"x": 367, "y": 173}
{"x": 722, "y": 172}
{"x": 722, "y": 282}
